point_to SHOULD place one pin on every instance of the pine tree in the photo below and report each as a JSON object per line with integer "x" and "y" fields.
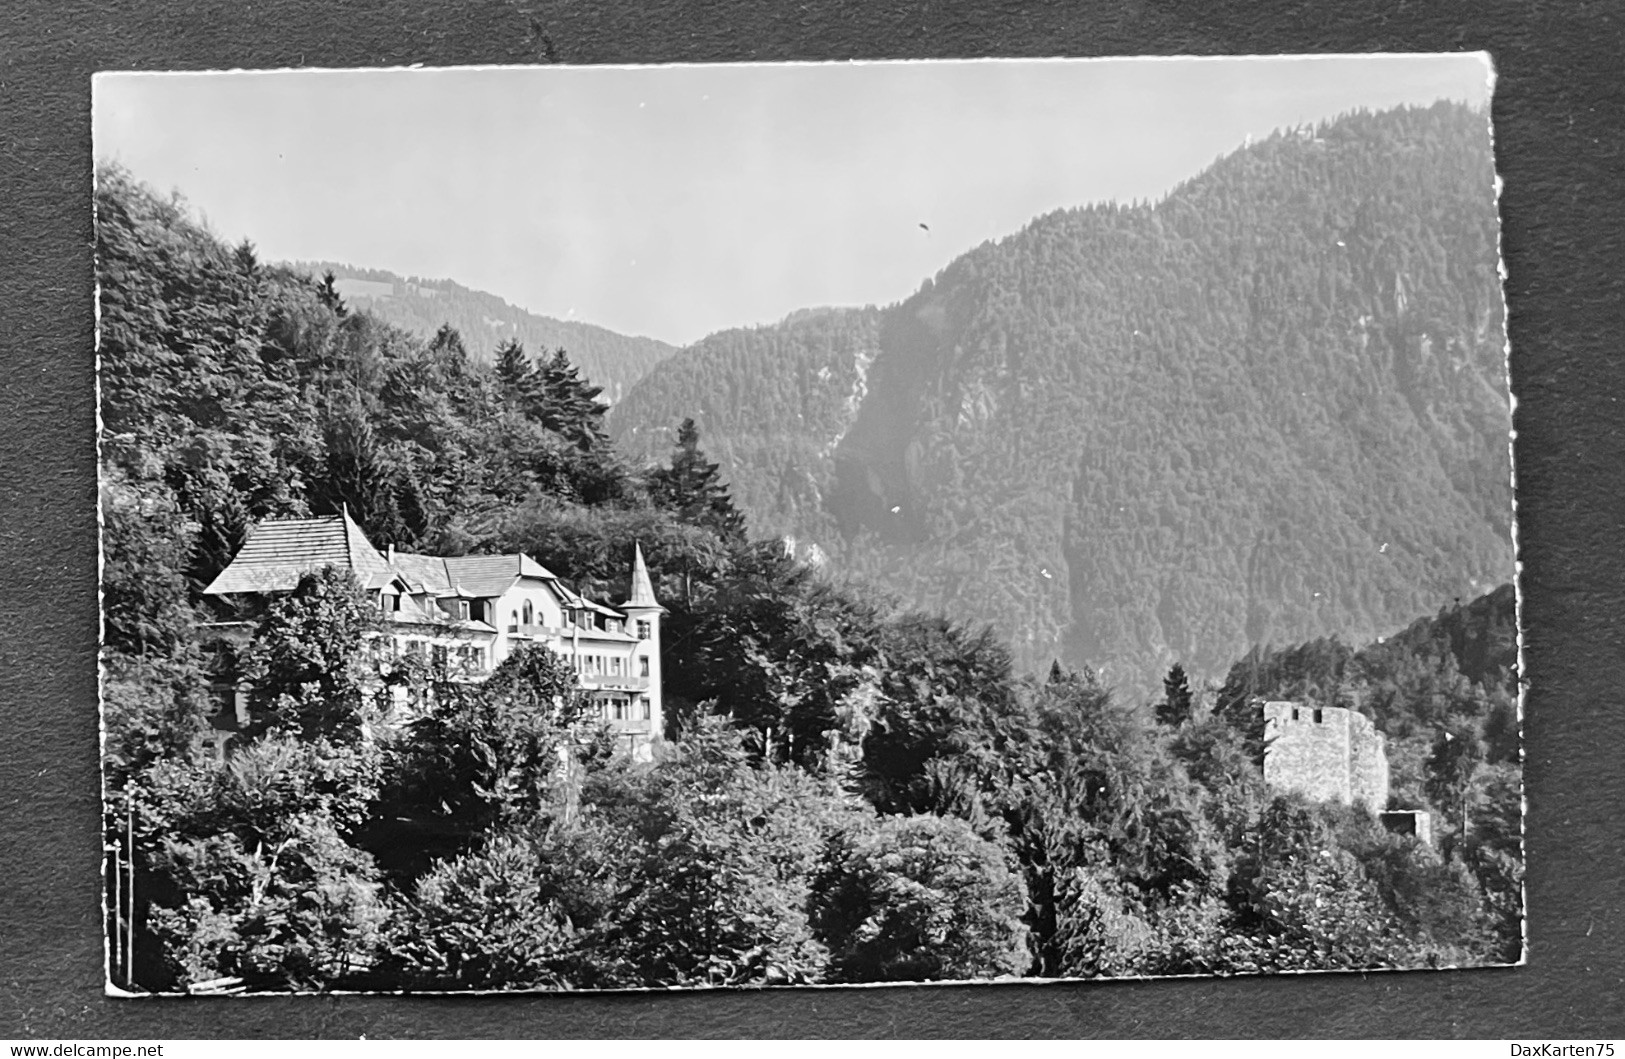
{"x": 569, "y": 405}
{"x": 1175, "y": 707}
{"x": 516, "y": 374}
{"x": 692, "y": 488}
{"x": 328, "y": 292}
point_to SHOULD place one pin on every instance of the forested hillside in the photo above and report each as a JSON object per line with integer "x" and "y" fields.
{"x": 1268, "y": 408}
{"x": 610, "y": 360}
{"x": 848, "y": 790}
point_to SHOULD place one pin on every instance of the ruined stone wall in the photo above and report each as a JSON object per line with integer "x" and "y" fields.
{"x": 1306, "y": 754}
{"x": 1368, "y": 764}
{"x": 1326, "y": 753}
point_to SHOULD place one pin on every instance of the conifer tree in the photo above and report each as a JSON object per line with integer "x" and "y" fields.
{"x": 569, "y": 405}
{"x": 328, "y": 292}
{"x": 515, "y": 373}
{"x": 1175, "y": 707}
{"x": 692, "y": 488}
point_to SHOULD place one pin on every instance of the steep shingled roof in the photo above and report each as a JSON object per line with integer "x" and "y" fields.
{"x": 474, "y": 576}
{"x": 278, "y": 552}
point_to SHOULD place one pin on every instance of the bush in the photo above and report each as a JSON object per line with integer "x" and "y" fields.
{"x": 920, "y": 899}
{"x": 483, "y": 921}
{"x": 303, "y": 913}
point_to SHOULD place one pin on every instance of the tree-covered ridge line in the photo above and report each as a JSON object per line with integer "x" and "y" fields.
{"x": 851, "y": 790}
{"x": 1270, "y": 407}
{"x": 613, "y": 361}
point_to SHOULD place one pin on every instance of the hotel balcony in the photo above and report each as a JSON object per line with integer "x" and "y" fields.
{"x": 604, "y": 682}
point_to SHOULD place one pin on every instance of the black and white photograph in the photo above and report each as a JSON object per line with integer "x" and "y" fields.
{"x": 804, "y": 524}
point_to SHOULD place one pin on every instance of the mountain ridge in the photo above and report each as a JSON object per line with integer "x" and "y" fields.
{"x": 610, "y": 359}
{"x": 1268, "y": 407}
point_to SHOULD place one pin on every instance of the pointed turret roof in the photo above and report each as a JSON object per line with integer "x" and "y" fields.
{"x": 643, "y": 590}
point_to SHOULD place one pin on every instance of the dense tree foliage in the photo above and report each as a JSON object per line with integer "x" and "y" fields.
{"x": 850, "y": 788}
{"x": 1270, "y": 407}
{"x": 920, "y": 898}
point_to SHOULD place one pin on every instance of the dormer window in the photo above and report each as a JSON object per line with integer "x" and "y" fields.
{"x": 462, "y": 610}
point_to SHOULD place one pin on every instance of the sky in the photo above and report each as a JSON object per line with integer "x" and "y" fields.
{"x": 675, "y": 201}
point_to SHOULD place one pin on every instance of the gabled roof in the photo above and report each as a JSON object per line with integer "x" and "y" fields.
{"x": 278, "y": 552}
{"x": 470, "y": 576}
{"x": 422, "y": 573}
{"x": 492, "y": 575}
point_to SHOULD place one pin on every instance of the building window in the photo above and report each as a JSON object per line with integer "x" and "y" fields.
{"x": 644, "y": 630}
{"x": 615, "y": 666}
{"x": 1294, "y": 713}
{"x": 643, "y": 702}
{"x": 620, "y": 709}
{"x": 513, "y": 622}
{"x": 1317, "y": 715}
{"x": 643, "y": 666}
{"x": 530, "y": 614}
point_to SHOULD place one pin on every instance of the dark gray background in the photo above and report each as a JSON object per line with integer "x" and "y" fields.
{"x": 1558, "y": 119}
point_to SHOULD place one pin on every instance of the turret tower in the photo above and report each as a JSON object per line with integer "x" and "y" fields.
{"x": 643, "y": 612}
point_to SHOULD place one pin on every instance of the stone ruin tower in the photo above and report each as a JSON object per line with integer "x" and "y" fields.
{"x": 1327, "y": 753}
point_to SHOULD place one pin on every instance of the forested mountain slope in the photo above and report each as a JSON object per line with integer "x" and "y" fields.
{"x": 775, "y": 402}
{"x": 1268, "y": 408}
{"x": 609, "y": 359}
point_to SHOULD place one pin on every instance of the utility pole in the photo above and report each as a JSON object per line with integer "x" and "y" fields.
{"x": 129, "y": 923}
{"x": 116, "y": 934}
